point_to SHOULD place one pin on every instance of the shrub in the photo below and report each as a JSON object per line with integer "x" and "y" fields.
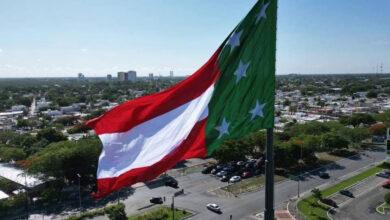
{"x": 116, "y": 212}
{"x": 387, "y": 198}
{"x": 317, "y": 193}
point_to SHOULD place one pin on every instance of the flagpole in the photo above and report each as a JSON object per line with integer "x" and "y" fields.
{"x": 269, "y": 177}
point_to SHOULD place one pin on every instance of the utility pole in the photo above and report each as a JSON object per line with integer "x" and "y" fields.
{"x": 269, "y": 177}
{"x": 25, "y": 183}
{"x": 173, "y": 207}
{"x": 79, "y": 177}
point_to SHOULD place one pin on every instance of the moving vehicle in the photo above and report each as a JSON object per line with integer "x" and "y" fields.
{"x": 235, "y": 179}
{"x": 346, "y": 193}
{"x": 156, "y": 200}
{"x": 213, "y": 207}
{"x": 172, "y": 183}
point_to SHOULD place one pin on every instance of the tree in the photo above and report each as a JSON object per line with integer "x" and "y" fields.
{"x": 316, "y": 193}
{"x": 50, "y": 135}
{"x": 377, "y": 129}
{"x": 232, "y": 150}
{"x": 331, "y": 141}
{"x": 357, "y": 119}
{"x": 372, "y": 94}
{"x": 63, "y": 160}
{"x": 8, "y": 154}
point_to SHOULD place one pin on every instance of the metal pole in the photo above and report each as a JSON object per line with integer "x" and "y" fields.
{"x": 25, "y": 182}
{"x": 79, "y": 177}
{"x": 269, "y": 177}
{"x": 173, "y": 207}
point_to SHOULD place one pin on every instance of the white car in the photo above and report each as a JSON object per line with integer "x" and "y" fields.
{"x": 213, "y": 207}
{"x": 221, "y": 173}
{"x": 235, "y": 179}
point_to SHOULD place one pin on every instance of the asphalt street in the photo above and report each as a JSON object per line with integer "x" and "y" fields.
{"x": 197, "y": 191}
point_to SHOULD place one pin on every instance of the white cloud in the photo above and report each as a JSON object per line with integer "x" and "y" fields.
{"x": 1, "y": 50}
{"x": 84, "y": 50}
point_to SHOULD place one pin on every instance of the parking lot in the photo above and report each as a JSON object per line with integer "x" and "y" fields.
{"x": 357, "y": 190}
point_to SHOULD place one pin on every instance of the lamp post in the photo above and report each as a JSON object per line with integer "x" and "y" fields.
{"x": 25, "y": 183}
{"x": 79, "y": 177}
{"x": 173, "y": 207}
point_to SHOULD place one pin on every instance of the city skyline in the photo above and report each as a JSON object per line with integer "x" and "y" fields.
{"x": 46, "y": 39}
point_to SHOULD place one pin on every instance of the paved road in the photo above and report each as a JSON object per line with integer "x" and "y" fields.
{"x": 197, "y": 187}
{"x": 198, "y": 192}
{"x": 364, "y": 207}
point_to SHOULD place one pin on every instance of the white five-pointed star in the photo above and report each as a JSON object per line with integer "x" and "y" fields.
{"x": 257, "y": 110}
{"x": 262, "y": 13}
{"x": 241, "y": 70}
{"x": 234, "y": 40}
{"x": 223, "y": 128}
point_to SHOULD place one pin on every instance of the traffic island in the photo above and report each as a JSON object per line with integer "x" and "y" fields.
{"x": 163, "y": 213}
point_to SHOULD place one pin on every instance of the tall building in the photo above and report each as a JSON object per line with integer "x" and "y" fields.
{"x": 122, "y": 76}
{"x": 109, "y": 77}
{"x": 171, "y": 74}
{"x": 127, "y": 76}
{"x": 132, "y": 76}
{"x": 150, "y": 75}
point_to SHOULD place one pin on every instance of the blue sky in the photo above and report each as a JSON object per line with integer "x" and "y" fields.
{"x": 97, "y": 37}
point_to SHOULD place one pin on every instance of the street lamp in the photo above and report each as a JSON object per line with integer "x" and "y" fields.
{"x": 25, "y": 183}
{"x": 79, "y": 177}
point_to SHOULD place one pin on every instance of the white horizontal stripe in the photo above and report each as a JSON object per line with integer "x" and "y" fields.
{"x": 149, "y": 142}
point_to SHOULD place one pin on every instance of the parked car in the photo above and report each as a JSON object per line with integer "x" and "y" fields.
{"x": 240, "y": 163}
{"x": 207, "y": 169}
{"x": 156, "y": 200}
{"x": 228, "y": 169}
{"x": 224, "y": 178}
{"x": 246, "y": 174}
{"x": 383, "y": 174}
{"x": 386, "y": 184}
{"x": 324, "y": 175}
{"x": 346, "y": 193}
{"x": 172, "y": 183}
{"x": 235, "y": 179}
{"x": 213, "y": 207}
{"x": 214, "y": 171}
{"x": 221, "y": 173}
{"x": 330, "y": 202}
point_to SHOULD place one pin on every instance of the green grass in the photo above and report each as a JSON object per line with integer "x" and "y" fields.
{"x": 381, "y": 209}
{"x": 249, "y": 185}
{"x": 161, "y": 213}
{"x": 312, "y": 210}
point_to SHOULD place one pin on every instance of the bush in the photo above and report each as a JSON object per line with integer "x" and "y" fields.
{"x": 387, "y": 198}
{"x": 116, "y": 212}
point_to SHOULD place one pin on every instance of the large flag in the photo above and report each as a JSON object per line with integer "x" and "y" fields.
{"x": 229, "y": 96}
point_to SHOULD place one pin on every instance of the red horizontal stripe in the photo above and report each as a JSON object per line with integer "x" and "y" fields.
{"x": 131, "y": 113}
{"x": 194, "y": 146}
